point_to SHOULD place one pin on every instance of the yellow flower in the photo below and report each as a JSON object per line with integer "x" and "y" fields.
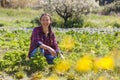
{"x": 63, "y": 66}
{"x": 106, "y": 63}
{"x": 101, "y": 78}
{"x": 84, "y": 64}
{"x": 67, "y": 43}
{"x": 53, "y": 77}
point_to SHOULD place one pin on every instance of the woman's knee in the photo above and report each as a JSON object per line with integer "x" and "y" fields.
{"x": 33, "y": 52}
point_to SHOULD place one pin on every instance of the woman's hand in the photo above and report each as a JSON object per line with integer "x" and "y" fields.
{"x": 51, "y": 50}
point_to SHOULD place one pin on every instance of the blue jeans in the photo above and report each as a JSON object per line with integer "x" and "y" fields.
{"x": 48, "y": 57}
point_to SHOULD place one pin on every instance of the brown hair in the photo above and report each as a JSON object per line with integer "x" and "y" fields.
{"x": 50, "y": 30}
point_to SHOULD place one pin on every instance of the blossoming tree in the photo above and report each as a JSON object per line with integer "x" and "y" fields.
{"x": 68, "y": 8}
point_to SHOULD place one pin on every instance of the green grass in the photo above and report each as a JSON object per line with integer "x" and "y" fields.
{"x": 18, "y": 17}
{"x": 28, "y": 13}
{"x": 95, "y": 20}
{"x": 23, "y": 18}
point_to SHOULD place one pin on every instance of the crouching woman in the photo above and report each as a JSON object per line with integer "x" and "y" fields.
{"x": 44, "y": 39}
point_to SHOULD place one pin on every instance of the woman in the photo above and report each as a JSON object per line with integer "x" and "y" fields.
{"x": 44, "y": 39}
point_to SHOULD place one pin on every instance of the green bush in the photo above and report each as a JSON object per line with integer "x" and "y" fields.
{"x": 15, "y": 61}
{"x": 90, "y": 24}
{"x": 38, "y": 62}
{"x": 57, "y": 21}
{"x": 112, "y": 8}
{"x": 20, "y": 75}
{"x": 35, "y": 21}
{"x": 116, "y": 25}
{"x": 75, "y": 22}
{"x": 12, "y": 60}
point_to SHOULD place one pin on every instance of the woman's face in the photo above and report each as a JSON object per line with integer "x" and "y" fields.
{"x": 45, "y": 21}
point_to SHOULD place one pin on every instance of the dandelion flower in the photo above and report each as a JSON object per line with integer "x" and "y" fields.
{"x": 62, "y": 67}
{"x": 106, "y": 63}
{"x": 84, "y": 64}
{"x": 67, "y": 43}
{"x": 101, "y": 78}
{"x": 53, "y": 77}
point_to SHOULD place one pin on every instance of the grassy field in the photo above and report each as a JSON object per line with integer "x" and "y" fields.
{"x": 101, "y": 21}
{"x": 87, "y": 56}
{"x": 18, "y": 17}
{"x": 26, "y": 18}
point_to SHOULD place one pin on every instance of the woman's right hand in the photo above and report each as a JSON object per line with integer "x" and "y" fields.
{"x": 52, "y": 51}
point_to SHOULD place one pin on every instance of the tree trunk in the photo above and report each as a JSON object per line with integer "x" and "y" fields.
{"x": 3, "y": 3}
{"x": 65, "y": 22}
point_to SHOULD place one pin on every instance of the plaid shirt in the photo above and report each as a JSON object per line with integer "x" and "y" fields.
{"x": 38, "y": 37}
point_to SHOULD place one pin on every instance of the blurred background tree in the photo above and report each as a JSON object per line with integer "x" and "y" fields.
{"x": 5, "y": 3}
{"x": 67, "y": 13}
{"x": 67, "y": 9}
{"x": 18, "y": 3}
